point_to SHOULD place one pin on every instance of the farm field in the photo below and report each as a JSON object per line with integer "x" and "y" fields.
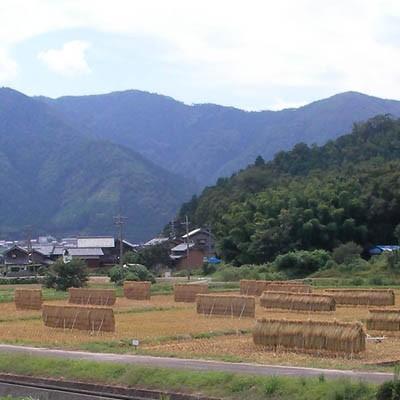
{"x": 175, "y": 329}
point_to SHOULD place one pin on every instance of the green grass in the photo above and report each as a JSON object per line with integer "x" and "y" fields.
{"x": 7, "y": 293}
{"x": 220, "y": 384}
{"x": 16, "y": 398}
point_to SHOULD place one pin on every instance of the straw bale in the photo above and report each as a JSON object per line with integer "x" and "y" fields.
{"x": 298, "y": 301}
{"x": 226, "y": 305}
{"x": 252, "y": 287}
{"x": 187, "y": 293}
{"x": 325, "y": 336}
{"x": 372, "y": 297}
{"x": 382, "y": 319}
{"x": 28, "y": 299}
{"x": 86, "y": 318}
{"x": 294, "y": 287}
{"x": 137, "y": 290}
{"x": 100, "y": 297}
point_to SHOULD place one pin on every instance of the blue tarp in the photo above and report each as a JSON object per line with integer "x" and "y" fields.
{"x": 381, "y": 248}
{"x": 213, "y": 260}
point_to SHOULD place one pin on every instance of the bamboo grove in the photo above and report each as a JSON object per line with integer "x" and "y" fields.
{"x": 309, "y": 198}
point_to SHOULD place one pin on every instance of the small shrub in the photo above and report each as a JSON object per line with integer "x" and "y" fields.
{"x": 271, "y": 386}
{"x": 389, "y": 390}
{"x": 130, "y": 272}
{"x": 376, "y": 281}
{"x": 356, "y": 282}
{"x": 346, "y": 253}
{"x": 208, "y": 269}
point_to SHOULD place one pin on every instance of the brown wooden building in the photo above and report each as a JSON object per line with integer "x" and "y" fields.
{"x": 201, "y": 245}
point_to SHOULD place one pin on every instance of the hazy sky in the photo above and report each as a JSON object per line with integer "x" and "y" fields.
{"x": 249, "y": 54}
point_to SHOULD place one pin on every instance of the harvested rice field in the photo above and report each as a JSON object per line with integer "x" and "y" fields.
{"x": 165, "y": 327}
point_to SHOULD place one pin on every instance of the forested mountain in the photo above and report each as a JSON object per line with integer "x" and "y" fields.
{"x": 68, "y": 165}
{"x": 309, "y": 198}
{"x": 207, "y": 141}
{"x": 59, "y": 181}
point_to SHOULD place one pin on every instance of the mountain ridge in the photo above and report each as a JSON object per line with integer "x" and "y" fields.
{"x": 206, "y": 141}
{"x": 61, "y": 182}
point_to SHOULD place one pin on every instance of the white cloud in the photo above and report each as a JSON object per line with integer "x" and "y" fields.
{"x": 281, "y": 104}
{"x": 8, "y": 67}
{"x": 69, "y": 60}
{"x": 333, "y": 44}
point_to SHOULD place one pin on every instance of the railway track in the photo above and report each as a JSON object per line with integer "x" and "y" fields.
{"x": 52, "y": 389}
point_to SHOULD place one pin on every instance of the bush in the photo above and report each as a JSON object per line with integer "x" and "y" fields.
{"x": 376, "y": 281}
{"x": 62, "y": 276}
{"x": 389, "y": 390}
{"x": 208, "y": 269}
{"x": 346, "y": 253}
{"x": 20, "y": 281}
{"x": 301, "y": 263}
{"x": 228, "y": 273}
{"x": 356, "y": 282}
{"x": 130, "y": 272}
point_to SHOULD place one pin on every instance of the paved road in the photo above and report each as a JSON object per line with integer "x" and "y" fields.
{"x": 202, "y": 365}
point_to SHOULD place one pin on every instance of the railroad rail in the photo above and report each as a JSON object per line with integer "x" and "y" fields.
{"x": 53, "y": 389}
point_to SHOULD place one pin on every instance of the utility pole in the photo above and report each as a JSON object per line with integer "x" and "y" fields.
{"x": 209, "y": 240}
{"x": 29, "y": 243}
{"x": 172, "y": 232}
{"x": 119, "y": 221}
{"x": 186, "y": 223}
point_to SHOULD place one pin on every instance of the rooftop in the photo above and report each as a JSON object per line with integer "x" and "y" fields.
{"x": 182, "y": 247}
{"x": 156, "y": 241}
{"x": 79, "y": 252}
{"x": 96, "y": 241}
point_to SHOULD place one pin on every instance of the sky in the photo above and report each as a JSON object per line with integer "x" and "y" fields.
{"x": 249, "y": 54}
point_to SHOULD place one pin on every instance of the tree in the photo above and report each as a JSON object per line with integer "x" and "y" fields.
{"x": 397, "y": 233}
{"x": 259, "y": 161}
{"x": 150, "y": 256}
{"x": 62, "y": 276}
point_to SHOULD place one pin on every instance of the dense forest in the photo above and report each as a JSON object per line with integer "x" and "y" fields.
{"x": 308, "y": 198}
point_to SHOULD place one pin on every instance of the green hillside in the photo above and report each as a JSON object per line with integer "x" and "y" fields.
{"x": 309, "y": 198}
{"x": 61, "y": 182}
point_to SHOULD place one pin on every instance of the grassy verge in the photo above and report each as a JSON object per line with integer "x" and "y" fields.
{"x": 220, "y": 384}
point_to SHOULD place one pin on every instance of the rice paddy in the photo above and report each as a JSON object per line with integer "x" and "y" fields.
{"x": 166, "y": 327}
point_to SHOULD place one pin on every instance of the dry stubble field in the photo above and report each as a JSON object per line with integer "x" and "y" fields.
{"x": 168, "y": 328}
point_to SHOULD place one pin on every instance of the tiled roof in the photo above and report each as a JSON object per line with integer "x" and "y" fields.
{"x": 105, "y": 241}
{"x": 182, "y": 247}
{"x": 79, "y": 252}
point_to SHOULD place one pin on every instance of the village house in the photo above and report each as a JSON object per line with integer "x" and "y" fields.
{"x": 197, "y": 246}
{"x": 19, "y": 262}
{"x": 96, "y": 251}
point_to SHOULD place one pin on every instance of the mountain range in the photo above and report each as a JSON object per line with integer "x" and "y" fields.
{"x": 204, "y": 142}
{"x": 68, "y": 165}
{"x": 60, "y": 181}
